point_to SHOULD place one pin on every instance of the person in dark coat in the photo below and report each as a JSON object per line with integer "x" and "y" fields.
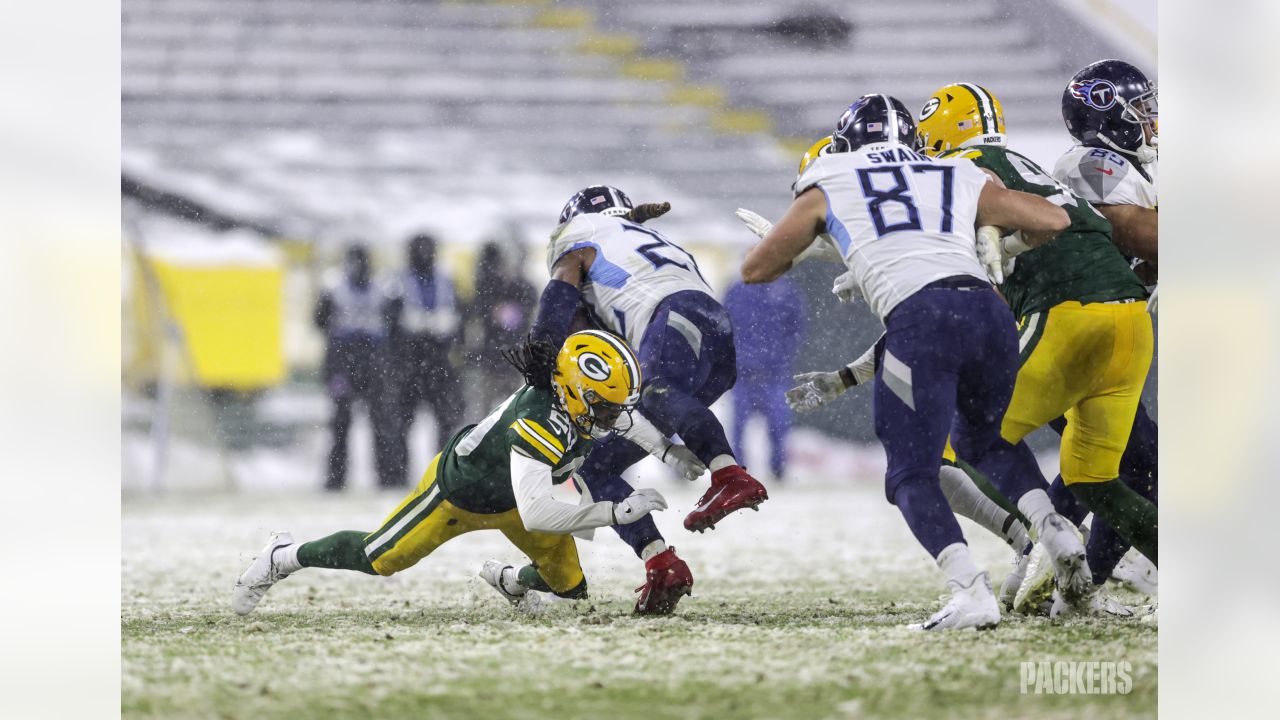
{"x": 352, "y": 311}
{"x": 501, "y": 312}
{"x": 768, "y": 327}
{"x": 426, "y": 334}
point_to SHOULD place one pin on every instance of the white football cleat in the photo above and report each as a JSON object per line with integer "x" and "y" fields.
{"x": 1100, "y": 603}
{"x": 260, "y": 576}
{"x": 1058, "y": 559}
{"x": 492, "y": 572}
{"x": 1013, "y": 581}
{"x": 1136, "y": 571}
{"x": 970, "y": 607}
{"x": 1152, "y": 617}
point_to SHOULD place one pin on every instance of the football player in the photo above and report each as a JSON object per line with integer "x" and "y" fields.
{"x": 498, "y": 474}
{"x": 905, "y": 224}
{"x": 1086, "y": 337}
{"x": 1111, "y": 109}
{"x": 636, "y": 283}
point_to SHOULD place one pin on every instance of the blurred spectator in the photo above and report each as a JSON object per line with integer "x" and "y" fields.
{"x": 426, "y": 330}
{"x": 501, "y": 313}
{"x": 768, "y": 328}
{"x": 353, "y": 312}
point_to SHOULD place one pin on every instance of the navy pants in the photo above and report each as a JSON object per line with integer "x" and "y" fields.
{"x": 950, "y": 360}
{"x": 688, "y": 361}
{"x": 763, "y": 393}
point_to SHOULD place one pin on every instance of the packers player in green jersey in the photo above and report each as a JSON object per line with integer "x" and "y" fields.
{"x": 1086, "y": 338}
{"x": 499, "y": 474}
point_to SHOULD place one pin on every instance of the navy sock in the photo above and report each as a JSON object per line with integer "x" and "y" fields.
{"x": 697, "y": 426}
{"x": 1067, "y": 504}
{"x": 1012, "y": 469}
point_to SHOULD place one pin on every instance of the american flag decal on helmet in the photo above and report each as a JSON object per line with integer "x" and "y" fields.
{"x": 598, "y": 199}
{"x": 875, "y": 127}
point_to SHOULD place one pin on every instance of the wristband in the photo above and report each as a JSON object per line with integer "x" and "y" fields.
{"x": 847, "y": 377}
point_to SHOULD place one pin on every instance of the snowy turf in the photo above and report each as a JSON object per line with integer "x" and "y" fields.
{"x": 798, "y": 611}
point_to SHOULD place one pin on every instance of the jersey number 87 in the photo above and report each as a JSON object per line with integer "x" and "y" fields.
{"x": 900, "y": 194}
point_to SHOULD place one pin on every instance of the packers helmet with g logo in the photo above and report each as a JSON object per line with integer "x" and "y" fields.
{"x": 959, "y": 115}
{"x": 597, "y": 381}
{"x": 821, "y": 147}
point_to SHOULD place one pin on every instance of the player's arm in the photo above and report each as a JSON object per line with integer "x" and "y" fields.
{"x": 1135, "y": 230}
{"x": 643, "y": 433}
{"x": 819, "y": 388}
{"x": 795, "y": 232}
{"x": 540, "y": 511}
{"x": 1039, "y": 220}
{"x": 562, "y": 296}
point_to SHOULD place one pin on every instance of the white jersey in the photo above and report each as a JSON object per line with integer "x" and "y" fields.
{"x": 900, "y": 219}
{"x": 1105, "y": 177}
{"x": 635, "y": 269}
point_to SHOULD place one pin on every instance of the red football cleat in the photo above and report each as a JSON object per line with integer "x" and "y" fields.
{"x": 731, "y": 489}
{"x": 667, "y": 579}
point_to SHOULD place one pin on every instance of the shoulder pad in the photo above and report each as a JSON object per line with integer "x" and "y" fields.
{"x": 1103, "y": 173}
{"x": 570, "y": 236}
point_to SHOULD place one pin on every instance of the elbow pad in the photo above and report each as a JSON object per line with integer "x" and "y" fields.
{"x": 555, "y": 312}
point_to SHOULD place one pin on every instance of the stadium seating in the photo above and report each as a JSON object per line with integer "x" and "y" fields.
{"x": 303, "y": 114}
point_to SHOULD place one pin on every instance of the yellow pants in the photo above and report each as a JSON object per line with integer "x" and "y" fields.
{"x": 424, "y": 521}
{"x": 1088, "y": 362}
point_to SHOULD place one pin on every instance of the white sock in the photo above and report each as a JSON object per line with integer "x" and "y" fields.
{"x": 720, "y": 462}
{"x": 967, "y": 500}
{"x": 509, "y": 581}
{"x": 286, "y": 559}
{"x": 1037, "y": 507}
{"x": 957, "y": 564}
{"x": 653, "y": 548}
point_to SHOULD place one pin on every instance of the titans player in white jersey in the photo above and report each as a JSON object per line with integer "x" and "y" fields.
{"x": 905, "y": 225}
{"x": 636, "y": 283}
{"x": 1110, "y": 108}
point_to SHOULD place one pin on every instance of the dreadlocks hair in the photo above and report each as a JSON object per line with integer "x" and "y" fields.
{"x": 536, "y": 361}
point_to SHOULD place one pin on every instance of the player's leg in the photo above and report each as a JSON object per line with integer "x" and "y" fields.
{"x": 418, "y": 525}
{"x": 914, "y": 399}
{"x": 555, "y": 567}
{"x": 667, "y": 577}
{"x": 1098, "y": 430}
{"x": 1139, "y": 470}
{"x": 689, "y": 361}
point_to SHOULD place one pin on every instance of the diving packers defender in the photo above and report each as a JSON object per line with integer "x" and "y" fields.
{"x": 499, "y": 475}
{"x": 1085, "y": 340}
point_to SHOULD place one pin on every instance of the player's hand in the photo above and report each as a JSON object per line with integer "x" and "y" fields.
{"x": 684, "y": 462}
{"x": 815, "y": 390}
{"x": 1151, "y": 301}
{"x": 637, "y": 505}
{"x": 845, "y": 288}
{"x": 648, "y": 211}
{"x": 990, "y": 253}
{"x": 754, "y": 222}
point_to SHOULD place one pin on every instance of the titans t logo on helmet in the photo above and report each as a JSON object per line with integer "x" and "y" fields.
{"x": 1097, "y": 94}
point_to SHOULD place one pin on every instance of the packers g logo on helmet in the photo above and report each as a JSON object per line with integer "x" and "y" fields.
{"x": 959, "y": 115}
{"x": 594, "y": 366}
{"x": 597, "y": 381}
{"x": 821, "y": 147}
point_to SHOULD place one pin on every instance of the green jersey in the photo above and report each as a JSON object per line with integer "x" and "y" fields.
{"x": 475, "y": 466}
{"x": 1080, "y": 264}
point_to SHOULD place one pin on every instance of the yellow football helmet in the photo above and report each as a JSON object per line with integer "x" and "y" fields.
{"x": 959, "y": 115}
{"x": 597, "y": 381}
{"x": 821, "y": 147}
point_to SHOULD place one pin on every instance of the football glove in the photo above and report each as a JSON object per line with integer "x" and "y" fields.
{"x": 845, "y": 288}
{"x": 648, "y": 211}
{"x": 754, "y": 222}
{"x": 684, "y": 462}
{"x": 637, "y": 505}
{"x": 815, "y": 390}
{"x": 990, "y": 253}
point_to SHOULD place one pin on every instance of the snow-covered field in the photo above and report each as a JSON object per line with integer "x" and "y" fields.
{"x": 798, "y": 611}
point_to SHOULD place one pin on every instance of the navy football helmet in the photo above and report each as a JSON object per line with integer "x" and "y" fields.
{"x": 601, "y": 199}
{"x": 1112, "y": 104}
{"x": 874, "y": 119}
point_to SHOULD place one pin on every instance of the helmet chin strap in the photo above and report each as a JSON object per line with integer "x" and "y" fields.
{"x": 1144, "y": 153}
